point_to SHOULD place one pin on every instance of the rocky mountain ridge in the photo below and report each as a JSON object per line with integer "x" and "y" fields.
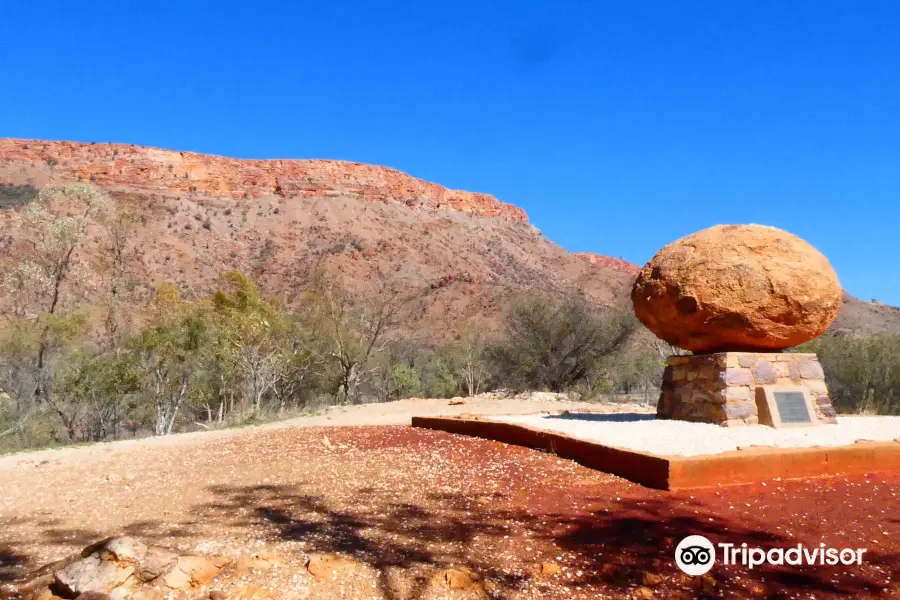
{"x": 137, "y": 167}
{"x": 610, "y": 262}
{"x": 202, "y": 215}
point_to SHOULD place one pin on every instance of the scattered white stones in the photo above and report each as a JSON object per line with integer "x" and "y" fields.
{"x": 644, "y": 433}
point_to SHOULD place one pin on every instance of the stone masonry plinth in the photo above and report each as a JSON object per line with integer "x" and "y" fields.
{"x": 721, "y": 387}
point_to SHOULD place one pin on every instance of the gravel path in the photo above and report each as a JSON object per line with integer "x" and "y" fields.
{"x": 642, "y": 432}
{"x": 407, "y": 504}
{"x": 399, "y": 412}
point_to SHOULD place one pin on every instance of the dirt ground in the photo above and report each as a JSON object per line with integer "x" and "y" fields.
{"x": 407, "y": 504}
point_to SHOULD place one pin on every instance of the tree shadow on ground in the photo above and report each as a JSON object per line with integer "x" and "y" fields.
{"x": 11, "y": 563}
{"x": 610, "y": 550}
{"x": 15, "y": 563}
{"x": 384, "y": 534}
{"x": 641, "y": 536}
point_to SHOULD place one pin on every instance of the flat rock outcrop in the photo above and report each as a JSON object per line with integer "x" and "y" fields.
{"x": 122, "y": 568}
{"x": 125, "y": 568}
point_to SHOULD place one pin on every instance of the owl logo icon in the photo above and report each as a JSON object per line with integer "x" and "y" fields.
{"x": 695, "y": 555}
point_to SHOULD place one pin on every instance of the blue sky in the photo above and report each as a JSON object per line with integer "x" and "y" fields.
{"x": 618, "y": 125}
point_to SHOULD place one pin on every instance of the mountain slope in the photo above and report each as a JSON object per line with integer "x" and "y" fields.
{"x": 866, "y": 317}
{"x": 124, "y": 166}
{"x": 201, "y": 215}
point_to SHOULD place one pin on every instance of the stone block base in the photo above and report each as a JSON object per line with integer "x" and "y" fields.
{"x": 721, "y": 387}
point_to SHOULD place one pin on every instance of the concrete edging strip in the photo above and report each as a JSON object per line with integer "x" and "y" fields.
{"x": 752, "y": 465}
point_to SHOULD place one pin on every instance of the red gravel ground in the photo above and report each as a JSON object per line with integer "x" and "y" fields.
{"x": 410, "y": 502}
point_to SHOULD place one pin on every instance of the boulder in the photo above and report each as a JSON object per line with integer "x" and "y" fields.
{"x": 192, "y": 571}
{"x": 90, "y": 574}
{"x": 247, "y": 565}
{"x": 117, "y": 567}
{"x": 156, "y": 562}
{"x": 737, "y": 287}
{"x": 126, "y": 549}
{"x": 644, "y": 593}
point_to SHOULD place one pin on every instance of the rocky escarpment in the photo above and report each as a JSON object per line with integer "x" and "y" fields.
{"x": 201, "y": 215}
{"x": 126, "y": 165}
{"x": 610, "y": 262}
{"x": 196, "y": 216}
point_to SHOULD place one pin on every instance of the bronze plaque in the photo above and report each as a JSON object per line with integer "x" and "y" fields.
{"x": 792, "y": 407}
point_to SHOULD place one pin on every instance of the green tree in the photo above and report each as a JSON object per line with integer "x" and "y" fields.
{"x": 440, "y": 378}
{"x": 93, "y": 393}
{"x": 300, "y": 368}
{"x": 470, "y": 356}
{"x": 50, "y": 280}
{"x": 404, "y": 382}
{"x": 254, "y": 335}
{"x": 637, "y": 370}
{"x": 21, "y": 345}
{"x": 862, "y": 372}
{"x": 351, "y": 331}
{"x": 115, "y": 262}
{"x": 171, "y": 350}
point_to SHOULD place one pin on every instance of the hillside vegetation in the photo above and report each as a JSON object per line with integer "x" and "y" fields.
{"x": 148, "y": 291}
{"x": 76, "y": 371}
{"x": 862, "y": 371}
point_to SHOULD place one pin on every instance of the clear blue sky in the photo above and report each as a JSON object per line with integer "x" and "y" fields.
{"x": 618, "y": 125}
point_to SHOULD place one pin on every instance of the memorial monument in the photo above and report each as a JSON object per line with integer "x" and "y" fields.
{"x": 737, "y": 296}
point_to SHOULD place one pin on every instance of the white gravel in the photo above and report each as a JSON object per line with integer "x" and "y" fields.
{"x": 644, "y": 433}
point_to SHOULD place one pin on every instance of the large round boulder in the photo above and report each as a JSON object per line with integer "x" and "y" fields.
{"x": 737, "y": 287}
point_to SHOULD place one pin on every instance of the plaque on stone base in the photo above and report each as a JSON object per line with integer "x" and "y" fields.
{"x": 785, "y": 406}
{"x": 729, "y": 388}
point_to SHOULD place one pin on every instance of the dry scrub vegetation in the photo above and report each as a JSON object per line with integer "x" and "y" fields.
{"x": 153, "y": 359}
{"x": 91, "y": 350}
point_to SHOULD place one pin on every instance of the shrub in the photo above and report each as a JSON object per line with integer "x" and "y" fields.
{"x": 404, "y": 382}
{"x": 862, "y": 373}
{"x": 639, "y": 370}
{"x": 552, "y": 344}
{"x": 439, "y": 379}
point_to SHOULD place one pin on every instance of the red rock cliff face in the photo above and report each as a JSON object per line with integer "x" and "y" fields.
{"x": 610, "y": 262}
{"x": 114, "y": 165}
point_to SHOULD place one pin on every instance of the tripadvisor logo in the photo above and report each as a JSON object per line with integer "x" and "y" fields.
{"x": 695, "y": 555}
